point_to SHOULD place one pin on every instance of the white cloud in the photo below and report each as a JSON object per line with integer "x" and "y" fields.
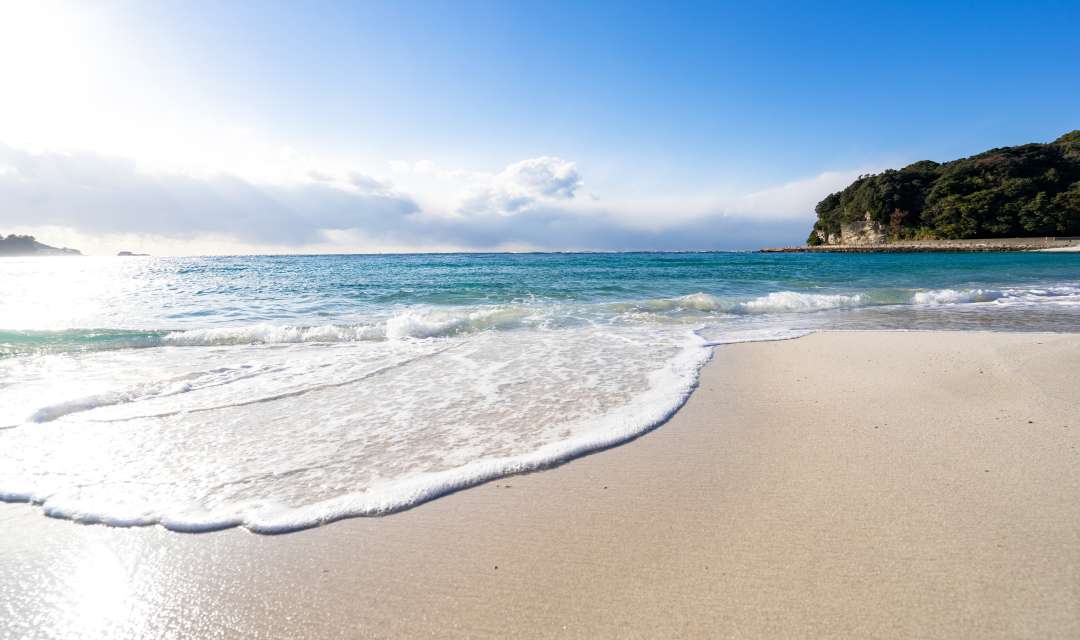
{"x": 544, "y": 177}
{"x": 791, "y": 201}
{"x": 366, "y": 184}
{"x": 524, "y": 184}
{"x": 104, "y": 204}
{"x": 797, "y": 198}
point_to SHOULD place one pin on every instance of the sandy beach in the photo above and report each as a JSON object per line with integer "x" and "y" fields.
{"x": 862, "y": 485}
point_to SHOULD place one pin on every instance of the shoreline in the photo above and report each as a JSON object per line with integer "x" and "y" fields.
{"x": 987, "y": 245}
{"x": 846, "y": 483}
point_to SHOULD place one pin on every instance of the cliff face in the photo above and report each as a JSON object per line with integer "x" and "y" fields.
{"x": 14, "y": 245}
{"x": 1010, "y": 192}
{"x": 860, "y": 233}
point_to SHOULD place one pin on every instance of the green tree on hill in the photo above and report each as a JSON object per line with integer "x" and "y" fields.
{"x": 1027, "y": 190}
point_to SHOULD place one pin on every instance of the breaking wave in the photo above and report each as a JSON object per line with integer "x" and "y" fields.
{"x": 434, "y": 322}
{"x": 776, "y": 302}
{"x": 796, "y": 302}
{"x": 1064, "y": 294}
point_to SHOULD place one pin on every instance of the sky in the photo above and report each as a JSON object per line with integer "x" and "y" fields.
{"x": 184, "y": 128}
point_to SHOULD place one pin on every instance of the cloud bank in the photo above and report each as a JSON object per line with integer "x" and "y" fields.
{"x": 534, "y": 204}
{"x": 98, "y": 194}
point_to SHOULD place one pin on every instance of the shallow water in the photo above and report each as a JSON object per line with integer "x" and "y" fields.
{"x": 276, "y": 393}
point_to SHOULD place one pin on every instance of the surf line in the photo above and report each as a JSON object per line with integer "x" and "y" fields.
{"x": 287, "y": 394}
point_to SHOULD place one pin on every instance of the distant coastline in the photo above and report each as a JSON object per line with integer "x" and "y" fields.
{"x": 21, "y": 246}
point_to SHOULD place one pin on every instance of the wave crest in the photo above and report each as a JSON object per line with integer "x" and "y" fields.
{"x": 1063, "y": 294}
{"x": 271, "y": 334}
{"x": 438, "y": 324}
{"x": 411, "y": 323}
{"x": 796, "y": 302}
{"x": 954, "y": 296}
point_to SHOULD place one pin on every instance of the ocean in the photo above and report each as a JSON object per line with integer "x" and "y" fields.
{"x": 282, "y": 392}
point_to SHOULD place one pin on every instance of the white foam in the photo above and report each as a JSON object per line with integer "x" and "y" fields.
{"x": 954, "y": 296}
{"x": 419, "y": 322}
{"x": 1058, "y": 295}
{"x": 85, "y": 403}
{"x": 320, "y": 432}
{"x": 441, "y": 323}
{"x": 764, "y": 334}
{"x": 776, "y": 302}
{"x": 798, "y": 302}
{"x": 271, "y": 334}
{"x": 694, "y": 301}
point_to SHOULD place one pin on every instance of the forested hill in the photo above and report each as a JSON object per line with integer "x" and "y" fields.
{"x": 1027, "y": 190}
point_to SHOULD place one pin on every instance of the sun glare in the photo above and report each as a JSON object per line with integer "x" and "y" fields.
{"x": 47, "y": 63}
{"x": 41, "y": 46}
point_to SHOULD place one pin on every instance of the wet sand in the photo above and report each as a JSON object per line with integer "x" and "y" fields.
{"x": 841, "y": 485}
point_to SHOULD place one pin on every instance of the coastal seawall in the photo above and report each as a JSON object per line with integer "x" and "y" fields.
{"x": 951, "y": 246}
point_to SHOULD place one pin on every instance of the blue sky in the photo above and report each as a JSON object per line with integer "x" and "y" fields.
{"x": 500, "y": 125}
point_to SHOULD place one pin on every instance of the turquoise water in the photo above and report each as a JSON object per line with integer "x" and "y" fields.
{"x": 280, "y": 392}
{"x": 108, "y": 302}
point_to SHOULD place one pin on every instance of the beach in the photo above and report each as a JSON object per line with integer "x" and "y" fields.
{"x": 844, "y": 484}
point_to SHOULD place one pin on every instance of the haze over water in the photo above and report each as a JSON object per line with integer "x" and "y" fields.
{"x": 276, "y": 393}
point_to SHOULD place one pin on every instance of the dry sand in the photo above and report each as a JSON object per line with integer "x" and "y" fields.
{"x": 841, "y": 485}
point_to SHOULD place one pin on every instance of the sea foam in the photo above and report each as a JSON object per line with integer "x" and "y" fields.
{"x": 796, "y": 302}
{"x": 1059, "y": 295}
{"x": 303, "y": 433}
